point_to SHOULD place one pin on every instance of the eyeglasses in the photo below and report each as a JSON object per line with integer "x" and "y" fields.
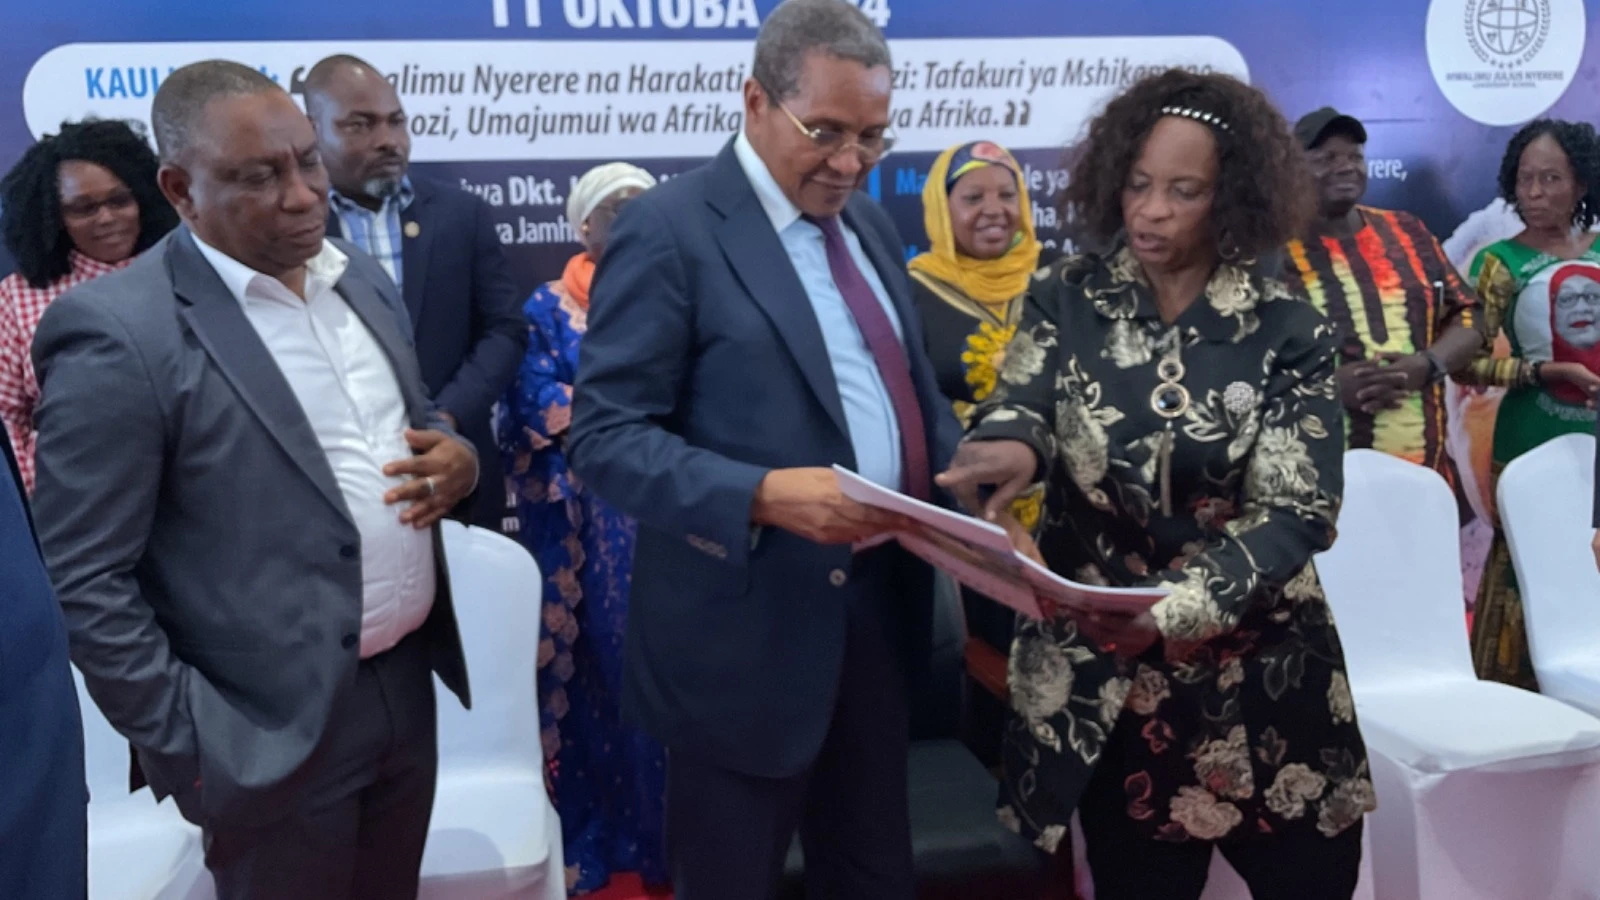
{"x": 1573, "y": 298}
{"x": 84, "y": 210}
{"x": 832, "y": 141}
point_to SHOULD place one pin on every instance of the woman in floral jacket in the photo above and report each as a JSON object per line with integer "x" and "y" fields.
{"x": 1183, "y": 412}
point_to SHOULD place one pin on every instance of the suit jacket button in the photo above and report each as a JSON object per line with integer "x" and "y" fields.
{"x": 349, "y": 641}
{"x": 837, "y": 578}
{"x": 348, "y": 551}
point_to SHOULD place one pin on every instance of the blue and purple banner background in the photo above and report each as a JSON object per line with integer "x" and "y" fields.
{"x": 1441, "y": 84}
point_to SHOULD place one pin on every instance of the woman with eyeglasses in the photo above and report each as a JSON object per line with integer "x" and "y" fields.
{"x": 607, "y": 780}
{"x": 77, "y": 205}
{"x": 1542, "y": 288}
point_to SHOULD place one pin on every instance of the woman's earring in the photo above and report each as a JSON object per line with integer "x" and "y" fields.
{"x": 1227, "y": 248}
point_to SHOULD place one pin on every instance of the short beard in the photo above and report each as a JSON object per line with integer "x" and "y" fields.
{"x": 382, "y": 188}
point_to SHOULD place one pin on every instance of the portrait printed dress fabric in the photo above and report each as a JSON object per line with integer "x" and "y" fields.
{"x": 1206, "y": 454}
{"x": 1549, "y": 309}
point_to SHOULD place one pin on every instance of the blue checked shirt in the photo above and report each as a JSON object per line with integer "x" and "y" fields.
{"x": 378, "y": 233}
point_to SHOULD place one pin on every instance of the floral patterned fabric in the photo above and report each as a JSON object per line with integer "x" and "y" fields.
{"x": 608, "y": 780}
{"x": 1239, "y": 722}
{"x": 966, "y": 343}
{"x": 966, "y": 339}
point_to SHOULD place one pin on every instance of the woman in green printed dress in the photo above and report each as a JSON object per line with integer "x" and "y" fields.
{"x": 1182, "y": 410}
{"x": 1542, "y": 287}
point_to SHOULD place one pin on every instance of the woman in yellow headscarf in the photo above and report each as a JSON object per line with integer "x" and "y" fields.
{"x": 969, "y": 288}
{"x": 982, "y": 251}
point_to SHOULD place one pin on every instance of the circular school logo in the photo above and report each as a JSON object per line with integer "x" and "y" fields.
{"x": 1502, "y": 62}
{"x": 1505, "y": 32}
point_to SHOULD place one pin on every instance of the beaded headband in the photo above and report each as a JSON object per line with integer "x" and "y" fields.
{"x": 1212, "y": 119}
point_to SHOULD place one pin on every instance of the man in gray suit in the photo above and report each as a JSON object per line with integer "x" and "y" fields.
{"x": 240, "y": 478}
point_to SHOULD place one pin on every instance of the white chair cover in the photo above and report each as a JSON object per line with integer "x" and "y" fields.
{"x": 1485, "y": 792}
{"x": 138, "y": 850}
{"x": 494, "y": 833}
{"x": 1546, "y": 500}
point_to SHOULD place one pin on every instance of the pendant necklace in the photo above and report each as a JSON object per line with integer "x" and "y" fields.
{"x": 1169, "y": 400}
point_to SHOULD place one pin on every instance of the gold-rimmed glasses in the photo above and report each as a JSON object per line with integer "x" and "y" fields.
{"x": 832, "y": 141}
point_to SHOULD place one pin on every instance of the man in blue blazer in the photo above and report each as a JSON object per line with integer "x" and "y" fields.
{"x": 438, "y": 244}
{"x": 43, "y": 800}
{"x": 750, "y": 326}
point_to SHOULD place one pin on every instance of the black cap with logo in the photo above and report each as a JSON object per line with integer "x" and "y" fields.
{"x": 1314, "y": 127}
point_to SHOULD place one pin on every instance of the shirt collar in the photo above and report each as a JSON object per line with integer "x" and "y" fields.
{"x": 1226, "y": 312}
{"x": 780, "y": 211}
{"x": 400, "y": 201}
{"x": 322, "y": 271}
{"x": 85, "y": 268}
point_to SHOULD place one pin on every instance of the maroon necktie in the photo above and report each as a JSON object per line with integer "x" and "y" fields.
{"x": 887, "y": 352}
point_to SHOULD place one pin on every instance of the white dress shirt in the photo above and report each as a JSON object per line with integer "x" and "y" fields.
{"x": 868, "y": 411}
{"x": 349, "y": 394}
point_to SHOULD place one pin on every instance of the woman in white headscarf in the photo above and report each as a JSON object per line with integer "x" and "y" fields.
{"x": 607, "y": 780}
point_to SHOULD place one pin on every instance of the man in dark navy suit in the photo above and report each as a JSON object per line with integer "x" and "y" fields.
{"x": 750, "y": 326}
{"x": 438, "y": 244}
{"x": 43, "y": 798}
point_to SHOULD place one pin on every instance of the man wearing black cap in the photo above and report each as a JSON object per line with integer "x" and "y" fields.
{"x": 1405, "y": 318}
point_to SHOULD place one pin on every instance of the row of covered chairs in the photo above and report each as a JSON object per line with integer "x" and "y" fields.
{"x": 494, "y": 834}
{"x": 1486, "y": 792}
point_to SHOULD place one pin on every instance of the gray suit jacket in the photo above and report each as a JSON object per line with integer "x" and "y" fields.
{"x": 208, "y": 567}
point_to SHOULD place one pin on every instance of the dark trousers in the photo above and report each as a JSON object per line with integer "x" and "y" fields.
{"x": 986, "y": 714}
{"x": 1129, "y": 865}
{"x": 370, "y": 782}
{"x": 728, "y": 833}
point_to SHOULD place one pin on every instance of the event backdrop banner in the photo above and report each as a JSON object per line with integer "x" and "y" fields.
{"x": 514, "y": 99}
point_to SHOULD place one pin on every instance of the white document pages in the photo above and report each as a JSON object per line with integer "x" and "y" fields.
{"x": 979, "y": 554}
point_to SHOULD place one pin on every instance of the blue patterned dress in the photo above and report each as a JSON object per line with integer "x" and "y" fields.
{"x": 608, "y": 780}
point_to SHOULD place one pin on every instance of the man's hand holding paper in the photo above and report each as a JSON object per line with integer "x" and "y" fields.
{"x": 995, "y": 557}
{"x": 809, "y": 503}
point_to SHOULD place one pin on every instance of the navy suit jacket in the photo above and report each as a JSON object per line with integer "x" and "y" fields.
{"x": 466, "y": 316}
{"x": 43, "y": 797}
{"x": 702, "y": 369}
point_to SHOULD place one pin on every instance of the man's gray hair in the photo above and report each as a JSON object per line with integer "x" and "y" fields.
{"x": 183, "y": 96}
{"x": 798, "y": 28}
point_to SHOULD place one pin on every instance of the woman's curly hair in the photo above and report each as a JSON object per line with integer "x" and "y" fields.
{"x": 1582, "y": 147}
{"x": 30, "y": 194}
{"x": 1262, "y": 197}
